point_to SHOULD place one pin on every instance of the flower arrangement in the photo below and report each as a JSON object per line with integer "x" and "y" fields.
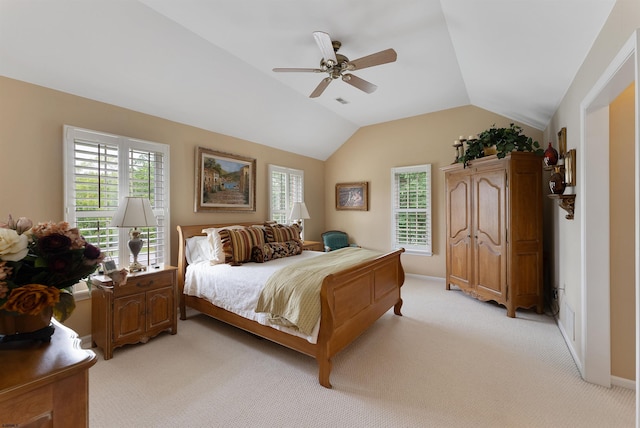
{"x": 39, "y": 265}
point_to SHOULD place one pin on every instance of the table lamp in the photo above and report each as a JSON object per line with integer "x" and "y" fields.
{"x": 298, "y": 213}
{"x": 134, "y": 212}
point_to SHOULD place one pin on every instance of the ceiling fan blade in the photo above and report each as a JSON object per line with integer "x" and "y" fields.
{"x": 382, "y": 57}
{"x": 302, "y": 70}
{"x": 326, "y": 46}
{"x": 359, "y": 83}
{"x": 321, "y": 87}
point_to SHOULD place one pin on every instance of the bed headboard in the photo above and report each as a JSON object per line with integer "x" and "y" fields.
{"x": 185, "y": 232}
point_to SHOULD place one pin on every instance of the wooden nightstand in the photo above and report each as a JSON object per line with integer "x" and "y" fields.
{"x": 312, "y": 245}
{"x": 135, "y": 312}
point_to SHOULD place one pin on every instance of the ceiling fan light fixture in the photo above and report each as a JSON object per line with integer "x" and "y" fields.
{"x": 335, "y": 65}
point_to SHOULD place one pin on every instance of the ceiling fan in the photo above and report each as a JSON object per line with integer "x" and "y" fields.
{"x": 338, "y": 66}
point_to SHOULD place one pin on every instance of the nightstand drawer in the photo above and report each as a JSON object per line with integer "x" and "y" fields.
{"x": 143, "y": 282}
{"x": 313, "y": 246}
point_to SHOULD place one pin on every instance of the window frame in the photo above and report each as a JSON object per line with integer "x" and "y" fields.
{"x": 289, "y": 198}
{"x": 425, "y": 249}
{"x": 124, "y": 145}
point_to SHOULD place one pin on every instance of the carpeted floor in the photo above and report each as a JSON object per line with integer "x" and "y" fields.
{"x": 450, "y": 361}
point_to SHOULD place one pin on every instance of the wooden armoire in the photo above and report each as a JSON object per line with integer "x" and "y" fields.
{"x": 494, "y": 229}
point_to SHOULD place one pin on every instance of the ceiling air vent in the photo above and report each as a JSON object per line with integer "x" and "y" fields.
{"x": 342, "y": 101}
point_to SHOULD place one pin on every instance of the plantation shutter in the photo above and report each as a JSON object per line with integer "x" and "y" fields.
{"x": 101, "y": 169}
{"x": 411, "y": 209}
{"x": 286, "y": 187}
{"x": 95, "y": 186}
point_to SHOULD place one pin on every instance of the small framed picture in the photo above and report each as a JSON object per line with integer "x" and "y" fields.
{"x": 109, "y": 266}
{"x": 570, "y": 167}
{"x": 352, "y": 196}
{"x": 562, "y": 141}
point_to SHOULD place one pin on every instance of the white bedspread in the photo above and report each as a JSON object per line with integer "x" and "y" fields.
{"x": 237, "y": 288}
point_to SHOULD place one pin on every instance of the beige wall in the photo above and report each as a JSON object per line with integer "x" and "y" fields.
{"x": 622, "y": 234}
{"x": 369, "y": 156}
{"x": 566, "y": 255}
{"x": 31, "y": 175}
{"x": 31, "y": 143}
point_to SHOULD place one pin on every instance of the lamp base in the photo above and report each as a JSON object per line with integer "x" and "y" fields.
{"x": 136, "y": 267}
{"x": 135, "y": 245}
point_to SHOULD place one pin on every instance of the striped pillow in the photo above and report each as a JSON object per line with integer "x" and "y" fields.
{"x": 281, "y": 233}
{"x": 237, "y": 243}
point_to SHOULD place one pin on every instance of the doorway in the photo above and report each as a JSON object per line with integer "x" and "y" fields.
{"x": 593, "y": 173}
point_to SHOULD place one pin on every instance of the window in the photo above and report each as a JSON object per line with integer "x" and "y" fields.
{"x": 286, "y": 186}
{"x": 411, "y": 209}
{"x": 100, "y": 170}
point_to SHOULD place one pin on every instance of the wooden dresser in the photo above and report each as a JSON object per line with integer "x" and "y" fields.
{"x": 45, "y": 384}
{"x": 494, "y": 229}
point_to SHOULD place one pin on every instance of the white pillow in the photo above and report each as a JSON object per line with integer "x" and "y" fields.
{"x": 215, "y": 243}
{"x": 197, "y": 249}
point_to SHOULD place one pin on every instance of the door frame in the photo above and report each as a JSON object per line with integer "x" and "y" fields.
{"x": 593, "y": 174}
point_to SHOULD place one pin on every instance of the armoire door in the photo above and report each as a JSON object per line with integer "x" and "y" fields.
{"x": 489, "y": 235}
{"x": 459, "y": 260}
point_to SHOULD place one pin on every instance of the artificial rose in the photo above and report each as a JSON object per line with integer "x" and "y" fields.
{"x": 5, "y": 271}
{"x": 77, "y": 241}
{"x": 22, "y": 225}
{"x": 54, "y": 243}
{"x": 31, "y": 299}
{"x": 4, "y": 290}
{"x": 13, "y": 247}
{"x": 92, "y": 254}
{"x": 59, "y": 263}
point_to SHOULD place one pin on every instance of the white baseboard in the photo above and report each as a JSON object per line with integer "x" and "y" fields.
{"x": 623, "y": 383}
{"x": 85, "y": 341}
{"x": 615, "y": 380}
{"x": 569, "y": 343}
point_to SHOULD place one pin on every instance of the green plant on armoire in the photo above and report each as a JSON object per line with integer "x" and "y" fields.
{"x": 504, "y": 140}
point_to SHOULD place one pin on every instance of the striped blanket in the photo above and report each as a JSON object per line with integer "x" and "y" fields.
{"x": 291, "y": 296}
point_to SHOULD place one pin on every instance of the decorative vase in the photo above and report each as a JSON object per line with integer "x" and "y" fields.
{"x": 15, "y": 326}
{"x": 550, "y": 156}
{"x": 556, "y": 181}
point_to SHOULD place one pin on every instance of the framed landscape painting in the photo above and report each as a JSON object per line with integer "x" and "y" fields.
{"x": 224, "y": 182}
{"x": 352, "y": 196}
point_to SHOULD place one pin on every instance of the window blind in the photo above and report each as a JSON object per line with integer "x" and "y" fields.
{"x": 286, "y": 187}
{"x": 411, "y": 208}
{"x": 100, "y": 169}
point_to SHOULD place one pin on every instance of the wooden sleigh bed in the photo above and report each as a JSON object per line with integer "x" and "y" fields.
{"x": 351, "y": 301}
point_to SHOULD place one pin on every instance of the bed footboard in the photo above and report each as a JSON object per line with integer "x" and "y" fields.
{"x": 352, "y": 300}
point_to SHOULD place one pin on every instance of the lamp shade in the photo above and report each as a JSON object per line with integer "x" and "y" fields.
{"x": 134, "y": 212}
{"x": 299, "y": 211}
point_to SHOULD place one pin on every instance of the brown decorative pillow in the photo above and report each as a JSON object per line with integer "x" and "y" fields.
{"x": 281, "y": 233}
{"x": 275, "y": 250}
{"x": 237, "y": 243}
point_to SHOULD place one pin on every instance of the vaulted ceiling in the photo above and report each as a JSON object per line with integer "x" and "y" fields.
{"x": 208, "y": 63}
